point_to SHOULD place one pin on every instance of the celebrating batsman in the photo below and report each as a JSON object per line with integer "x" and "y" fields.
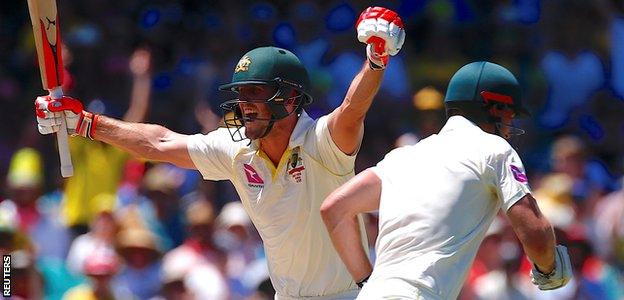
{"x": 436, "y": 199}
{"x": 281, "y": 162}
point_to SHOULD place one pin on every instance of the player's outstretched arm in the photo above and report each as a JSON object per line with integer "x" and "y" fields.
{"x": 152, "y": 142}
{"x": 551, "y": 264}
{"x": 339, "y": 211}
{"x": 382, "y": 30}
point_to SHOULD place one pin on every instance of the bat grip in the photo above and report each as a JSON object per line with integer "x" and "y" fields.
{"x": 67, "y": 169}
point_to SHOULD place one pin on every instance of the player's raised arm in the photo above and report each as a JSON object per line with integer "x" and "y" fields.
{"x": 153, "y": 142}
{"x": 339, "y": 211}
{"x": 382, "y": 29}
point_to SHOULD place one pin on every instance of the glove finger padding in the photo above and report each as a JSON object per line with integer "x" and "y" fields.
{"x": 51, "y": 119}
{"x": 48, "y": 129}
{"x": 397, "y": 31}
{"x": 559, "y": 276}
{"x": 366, "y": 29}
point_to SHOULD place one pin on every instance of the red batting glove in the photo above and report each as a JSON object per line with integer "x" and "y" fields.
{"x": 383, "y": 31}
{"x": 50, "y": 113}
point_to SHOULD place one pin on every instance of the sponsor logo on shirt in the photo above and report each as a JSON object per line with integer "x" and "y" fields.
{"x": 295, "y": 166}
{"x": 253, "y": 178}
{"x": 518, "y": 174}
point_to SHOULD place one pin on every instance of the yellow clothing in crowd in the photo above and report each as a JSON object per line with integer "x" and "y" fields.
{"x": 98, "y": 170}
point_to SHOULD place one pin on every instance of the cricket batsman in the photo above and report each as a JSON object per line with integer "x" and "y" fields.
{"x": 436, "y": 199}
{"x": 281, "y": 162}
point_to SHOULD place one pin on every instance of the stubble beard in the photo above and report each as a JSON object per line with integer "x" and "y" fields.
{"x": 255, "y": 131}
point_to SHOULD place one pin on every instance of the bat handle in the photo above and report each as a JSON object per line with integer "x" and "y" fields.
{"x": 67, "y": 169}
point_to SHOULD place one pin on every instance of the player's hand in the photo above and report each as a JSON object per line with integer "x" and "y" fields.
{"x": 559, "y": 276}
{"x": 50, "y": 113}
{"x": 383, "y": 31}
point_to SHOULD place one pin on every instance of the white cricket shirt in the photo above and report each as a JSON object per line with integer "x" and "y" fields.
{"x": 438, "y": 198}
{"x": 284, "y": 202}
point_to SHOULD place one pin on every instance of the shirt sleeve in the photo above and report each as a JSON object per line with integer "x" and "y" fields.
{"x": 328, "y": 152}
{"x": 511, "y": 182}
{"x": 211, "y": 154}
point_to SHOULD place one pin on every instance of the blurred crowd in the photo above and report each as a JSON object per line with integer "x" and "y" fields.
{"x": 123, "y": 228}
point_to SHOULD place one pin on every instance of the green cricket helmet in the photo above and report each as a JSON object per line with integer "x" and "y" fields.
{"x": 485, "y": 92}
{"x": 271, "y": 66}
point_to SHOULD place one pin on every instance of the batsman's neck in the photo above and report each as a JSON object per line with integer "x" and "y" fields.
{"x": 275, "y": 143}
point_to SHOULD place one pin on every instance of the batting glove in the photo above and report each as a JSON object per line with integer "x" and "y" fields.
{"x": 559, "y": 276}
{"x": 50, "y": 113}
{"x": 383, "y": 31}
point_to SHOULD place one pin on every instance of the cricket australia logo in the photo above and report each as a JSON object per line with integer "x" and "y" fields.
{"x": 243, "y": 64}
{"x": 253, "y": 178}
{"x": 295, "y": 166}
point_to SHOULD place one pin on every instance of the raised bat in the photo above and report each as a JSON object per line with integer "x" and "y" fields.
{"x": 44, "y": 17}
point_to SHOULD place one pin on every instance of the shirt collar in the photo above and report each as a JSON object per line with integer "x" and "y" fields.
{"x": 298, "y": 135}
{"x": 459, "y": 123}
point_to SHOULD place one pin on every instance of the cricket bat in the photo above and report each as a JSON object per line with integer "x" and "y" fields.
{"x": 44, "y": 17}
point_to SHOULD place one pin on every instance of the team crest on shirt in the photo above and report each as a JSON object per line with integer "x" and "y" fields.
{"x": 295, "y": 166}
{"x": 253, "y": 178}
{"x": 518, "y": 174}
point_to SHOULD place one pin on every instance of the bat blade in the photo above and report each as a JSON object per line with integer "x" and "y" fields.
{"x": 46, "y": 30}
{"x": 47, "y": 34}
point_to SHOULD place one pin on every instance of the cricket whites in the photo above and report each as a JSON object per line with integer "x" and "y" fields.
{"x": 44, "y": 17}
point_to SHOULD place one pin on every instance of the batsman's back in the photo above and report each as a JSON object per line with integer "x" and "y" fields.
{"x": 438, "y": 199}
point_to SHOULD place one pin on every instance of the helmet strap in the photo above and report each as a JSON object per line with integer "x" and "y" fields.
{"x": 268, "y": 129}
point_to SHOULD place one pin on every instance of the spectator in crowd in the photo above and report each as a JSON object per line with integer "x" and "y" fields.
{"x": 99, "y": 267}
{"x": 554, "y": 197}
{"x": 159, "y": 205}
{"x": 429, "y": 105}
{"x": 36, "y": 215}
{"x": 591, "y": 179}
{"x": 609, "y": 241}
{"x": 197, "y": 263}
{"x": 173, "y": 284}
{"x": 8, "y": 230}
{"x": 141, "y": 271}
{"x": 101, "y": 238}
{"x": 500, "y": 260}
{"x": 237, "y": 237}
